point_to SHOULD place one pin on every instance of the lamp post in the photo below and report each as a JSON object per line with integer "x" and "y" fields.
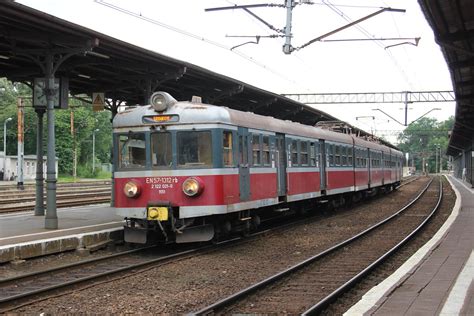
{"x": 5, "y": 146}
{"x": 438, "y": 158}
{"x": 93, "y": 149}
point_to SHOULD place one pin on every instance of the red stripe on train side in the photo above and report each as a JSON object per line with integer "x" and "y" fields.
{"x": 340, "y": 179}
{"x": 361, "y": 177}
{"x": 263, "y": 186}
{"x": 303, "y": 182}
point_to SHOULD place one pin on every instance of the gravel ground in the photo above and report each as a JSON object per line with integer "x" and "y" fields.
{"x": 192, "y": 283}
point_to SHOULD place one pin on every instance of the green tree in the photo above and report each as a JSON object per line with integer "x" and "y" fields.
{"x": 423, "y": 138}
{"x": 85, "y": 122}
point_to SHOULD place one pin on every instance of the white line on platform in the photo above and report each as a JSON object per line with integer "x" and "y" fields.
{"x": 383, "y": 289}
{"x": 59, "y": 210}
{"x": 464, "y": 184}
{"x": 455, "y": 301}
{"x": 59, "y": 230}
{"x": 42, "y": 241}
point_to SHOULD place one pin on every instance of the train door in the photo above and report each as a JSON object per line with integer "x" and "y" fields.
{"x": 369, "y": 165}
{"x": 382, "y": 165}
{"x": 280, "y": 162}
{"x": 244, "y": 170}
{"x": 322, "y": 164}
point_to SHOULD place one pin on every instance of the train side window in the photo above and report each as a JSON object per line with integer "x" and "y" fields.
{"x": 304, "y": 153}
{"x": 132, "y": 151}
{"x": 344, "y": 155}
{"x": 294, "y": 153}
{"x": 256, "y": 155}
{"x": 337, "y": 156}
{"x": 194, "y": 149}
{"x": 331, "y": 155}
{"x": 349, "y": 156}
{"x": 161, "y": 151}
{"x": 227, "y": 149}
{"x": 318, "y": 155}
{"x": 266, "y": 150}
{"x": 312, "y": 155}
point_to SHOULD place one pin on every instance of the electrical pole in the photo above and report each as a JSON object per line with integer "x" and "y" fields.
{"x": 21, "y": 144}
{"x": 287, "y": 48}
{"x": 74, "y": 147}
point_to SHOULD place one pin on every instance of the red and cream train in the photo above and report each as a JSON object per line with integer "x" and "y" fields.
{"x": 187, "y": 171}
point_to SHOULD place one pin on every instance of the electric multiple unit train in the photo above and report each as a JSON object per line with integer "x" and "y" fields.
{"x": 188, "y": 171}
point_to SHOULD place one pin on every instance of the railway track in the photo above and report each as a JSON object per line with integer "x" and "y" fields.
{"x": 30, "y": 186}
{"x": 26, "y": 289}
{"x": 311, "y": 285}
{"x": 68, "y": 195}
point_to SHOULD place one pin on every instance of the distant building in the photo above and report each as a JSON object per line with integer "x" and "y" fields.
{"x": 9, "y": 164}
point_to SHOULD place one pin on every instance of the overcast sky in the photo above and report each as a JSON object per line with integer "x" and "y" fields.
{"x": 183, "y": 30}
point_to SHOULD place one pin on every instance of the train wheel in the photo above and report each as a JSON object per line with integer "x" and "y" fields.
{"x": 255, "y": 222}
{"x": 245, "y": 232}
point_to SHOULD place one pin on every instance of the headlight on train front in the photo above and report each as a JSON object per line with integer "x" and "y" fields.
{"x": 160, "y": 101}
{"x": 131, "y": 189}
{"x": 193, "y": 186}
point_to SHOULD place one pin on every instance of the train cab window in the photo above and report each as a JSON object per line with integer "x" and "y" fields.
{"x": 312, "y": 155}
{"x": 161, "y": 152}
{"x": 227, "y": 152}
{"x": 132, "y": 151}
{"x": 304, "y": 153}
{"x": 294, "y": 153}
{"x": 256, "y": 150}
{"x": 194, "y": 149}
{"x": 266, "y": 150}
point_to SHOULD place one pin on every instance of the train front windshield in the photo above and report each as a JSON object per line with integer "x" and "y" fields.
{"x": 161, "y": 150}
{"x": 132, "y": 151}
{"x": 138, "y": 151}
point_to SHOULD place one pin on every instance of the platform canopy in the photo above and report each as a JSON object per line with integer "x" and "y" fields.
{"x": 453, "y": 25}
{"x": 127, "y": 73}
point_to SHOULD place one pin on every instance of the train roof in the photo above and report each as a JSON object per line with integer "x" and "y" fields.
{"x": 199, "y": 113}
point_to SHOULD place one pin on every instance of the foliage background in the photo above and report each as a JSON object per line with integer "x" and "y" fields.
{"x": 85, "y": 122}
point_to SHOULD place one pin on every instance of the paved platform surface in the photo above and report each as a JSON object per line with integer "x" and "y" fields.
{"x": 22, "y": 235}
{"x": 439, "y": 278}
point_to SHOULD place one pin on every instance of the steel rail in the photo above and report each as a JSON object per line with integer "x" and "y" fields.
{"x": 204, "y": 249}
{"x": 92, "y": 276}
{"x": 88, "y": 200}
{"x": 63, "y": 196}
{"x": 253, "y": 288}
{"x": 317, "y": 308}
{"x": 75, "y": 264}
{"x": 29, "y": 186}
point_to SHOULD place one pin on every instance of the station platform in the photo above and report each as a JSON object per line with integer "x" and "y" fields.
{"x": 439, "y": 278}
{"x": 22, "y": 235}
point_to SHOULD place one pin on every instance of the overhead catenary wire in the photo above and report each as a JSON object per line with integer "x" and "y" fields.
{"x": 196, "y": 37}
{"x": 404, "y": 75}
